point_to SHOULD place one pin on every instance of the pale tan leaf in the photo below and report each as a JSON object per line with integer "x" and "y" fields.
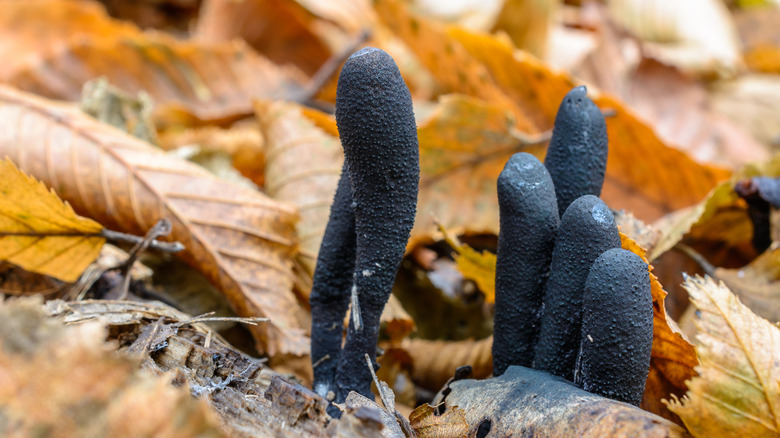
{"x": 41, "y": 233}
{"x": 696, "y": 35}
{"x": 303, "y": 166}
{"x": 240, "y": 239}
{"x": 758, "y": 284}
{"x": 737, "y": 392}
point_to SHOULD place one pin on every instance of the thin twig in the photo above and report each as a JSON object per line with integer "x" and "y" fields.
{"x": 116, "y": 236}
{"x": 163, "y": 227}
{"x": 328, "y": 69}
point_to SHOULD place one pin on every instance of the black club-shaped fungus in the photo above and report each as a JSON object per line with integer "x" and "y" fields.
{"x": 577, "y": 155}
{"x": 378, "y": 132}
{"x": 617, "y": 327}
{"x": 529, "y": 218}
{"x": 587, "y": 230}
{"x": 331, "y": 287}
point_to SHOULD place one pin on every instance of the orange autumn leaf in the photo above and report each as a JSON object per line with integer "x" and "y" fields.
{"x": 643, "y": 174}
{"x": 53, "y": 47}
{"x": 41, "y": 233}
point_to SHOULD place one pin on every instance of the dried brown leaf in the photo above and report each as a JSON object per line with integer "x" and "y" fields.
{"x": 282, "y": 30}
{"x": 53, "y": 47}
{"x": 241, "y": 240}
{"x": 491, "y": 69}
{"x": 435, "y": 362}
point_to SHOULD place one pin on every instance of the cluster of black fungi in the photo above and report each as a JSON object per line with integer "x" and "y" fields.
{"x": 569, "y": 300}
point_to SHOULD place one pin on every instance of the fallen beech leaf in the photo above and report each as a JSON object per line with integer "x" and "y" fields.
{"x": 41, "y": 233}
{"x": 241, "y": 240}
{"x": 672, "y": 359}
{"x": 639, "y": 176}
{"x": 303, "y": 166}
{"x": 52, "y": 47}
{"x": 757, "y": 285}
{"x": 89, "y": 389}
{"x": 737, "y": 391}
{"x": 528, "y": 402}
{"x": 697, "y": 35}
{"x": 748, "y": 101}
{"x": 282, "y": 30}
{"x": 451, "y": 424}
{"x": 434, "y": 362}
{"x": 479, "y": 267}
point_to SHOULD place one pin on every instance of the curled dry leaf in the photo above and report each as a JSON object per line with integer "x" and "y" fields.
{"x": 303, "y": 165}
{"x": 53, "y": 47}
{"x": 89, "y": 389}
{"x": 737, "y": 391}
{"x": 451, "y": 424}
{"x": 489, "y": 68}
{"x": 41, "y": 233}
{"x": 718, "y": 217}
{"x": 435, "y": 362}
{"x": 241, "y": 240}
{"x": 672, "y": 358}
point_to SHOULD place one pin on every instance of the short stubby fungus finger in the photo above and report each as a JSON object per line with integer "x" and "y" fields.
{"x": 617, "y": 327}
{"x": 587, "y": 230}
{"x": 331, "y": 286}
{"x": 378, "y": 131}
{"x": 528, "y": 219}
{"x": 577, "y": 155}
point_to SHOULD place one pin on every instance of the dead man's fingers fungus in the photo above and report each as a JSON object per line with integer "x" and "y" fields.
{"x": 577, "y": 155}
{"x": 617, "y": 327}
{"x": 587, "y": 230}
{"x": 378, "y": 132}
{"x": 528, "y": 219}
{"x": 331, "y": 286}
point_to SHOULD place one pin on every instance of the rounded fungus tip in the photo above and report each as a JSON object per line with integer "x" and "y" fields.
{"x": 617, "y": 327}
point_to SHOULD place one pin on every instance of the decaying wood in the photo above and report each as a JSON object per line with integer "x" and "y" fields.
{"x": 527, "y": 402}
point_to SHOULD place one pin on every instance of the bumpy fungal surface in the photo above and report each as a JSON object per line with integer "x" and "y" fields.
{"x": 378, "y": 131}
{"x": 332, "y": 283}
{"x": 528, "y": 219}
{"x": 577, "y": 155}
{"x": 587, "y": 230}
{"x": 617, "y": 327}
